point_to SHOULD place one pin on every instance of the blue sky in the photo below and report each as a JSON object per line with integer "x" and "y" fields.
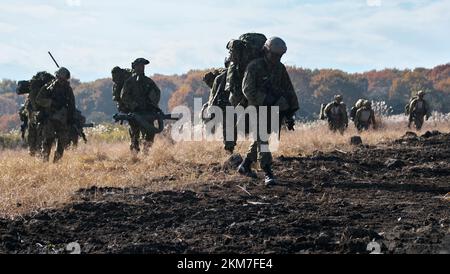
{"x": 91, "y": 37}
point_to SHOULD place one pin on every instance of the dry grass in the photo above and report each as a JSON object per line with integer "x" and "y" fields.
{"x": 27, "y": 184}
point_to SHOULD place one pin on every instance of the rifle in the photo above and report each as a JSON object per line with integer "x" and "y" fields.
{"x": 146, "y": 120}
{"x": 49, "y": 53}
{"x": 80, "y": 131}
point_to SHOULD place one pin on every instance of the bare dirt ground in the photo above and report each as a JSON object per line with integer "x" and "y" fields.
{"x": 334, "y": 202}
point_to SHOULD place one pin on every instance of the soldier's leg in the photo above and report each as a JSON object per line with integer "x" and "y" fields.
{"x": 62, "y": 141}
{"x": 265, "y": 161}
{"x": 245, "y": 168}
{"x": 48, "y": 137}
{"x": 419, "y": 122}
{"x": 33, "y": 139}
{"x": 148, "y": 142}
{"x": 341, "y": 128}
{"x": 265, "y": 155}
{"x": 39, "y": 138}
{"x": 134, "y": 136}
{"x": 410, "y": 120}
{"x": 228, "y": 144}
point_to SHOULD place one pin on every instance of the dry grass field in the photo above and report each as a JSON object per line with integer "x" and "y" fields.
{"x": 28, "y": 185}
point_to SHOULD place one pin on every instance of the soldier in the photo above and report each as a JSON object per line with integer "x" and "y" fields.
{"x": 140, "y": 94}
{"x": 220, "y": 97}
{"x": 336, "y": 113}
{"x": 235, "y": 73}
{"x": 58, "y": 103}
{"x": 365, "y": 116}
{"x": 418, "y": 109}
{"x": 30, "y": 113}
{"x": 359, "y": 104}
{"x": 35, "y": 117}
{"x": 267, "y": 83}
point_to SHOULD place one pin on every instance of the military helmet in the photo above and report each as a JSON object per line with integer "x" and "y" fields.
{"x": 338, "y": 98}
{"x": 142, "y": 61}
{"x": 275, "y": 45}
{"x": 115, "y": 70}
{"x": 63, "y": 72}
{"x": 235, "y": 44}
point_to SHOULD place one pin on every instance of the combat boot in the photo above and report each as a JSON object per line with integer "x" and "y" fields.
{"x": 269, "y": 179}
{"x": 246, "y": 169}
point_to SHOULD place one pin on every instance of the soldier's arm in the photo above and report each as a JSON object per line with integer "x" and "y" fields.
{"x": 412, "y": 106}
{"x": 327, "y": 109}
{"x": 249, "y": 87}
{"x": 213, "y": 91}
{"x": 344, "y": 114}
{"x": 289, "y": 90}
{"x": 155, "y": 94}
{"x": 358, "y": 115}
{"x": 42, "y": 98}
{"x": 71, "y": 104}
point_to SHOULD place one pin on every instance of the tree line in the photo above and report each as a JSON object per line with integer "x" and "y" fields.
{"x": 313, "y": 87}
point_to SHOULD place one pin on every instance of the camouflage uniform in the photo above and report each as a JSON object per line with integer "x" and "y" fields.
{"x": 418, "y": 109}
{"x": 58, "y": 103}
{"x": 365, "y": 116}
{"x": 336, "y": 113}
{"x": 242, "y": 52}
{"x": 119, "y": 76}
{"x": 33, "y": 112}
{"x": 264, "y": 79}
{"x": 140, "y": 95}
{"x": 220, "y": 97}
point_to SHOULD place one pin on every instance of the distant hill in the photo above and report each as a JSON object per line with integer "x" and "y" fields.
{"x": 313, "y": 87}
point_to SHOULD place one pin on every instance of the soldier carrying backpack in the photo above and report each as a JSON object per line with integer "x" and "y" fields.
{"x": 119, "y": 76}
{"x": 364, "y": 116}
{"x": 336, "y": 113}
{"x": 417, "y": 109}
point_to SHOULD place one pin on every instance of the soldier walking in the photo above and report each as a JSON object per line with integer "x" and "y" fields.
{"x": 336, "y": 114}
{"x": 418, "y": 109}
{"x": 267, "y": 83}
{"x": 140, "y": 94}
{"x": 58, "y": 103}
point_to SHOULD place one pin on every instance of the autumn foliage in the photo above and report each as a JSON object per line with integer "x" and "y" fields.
{"x": 313, "y": 88}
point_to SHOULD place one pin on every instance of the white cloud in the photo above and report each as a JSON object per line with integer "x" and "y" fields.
{"x": 373, "y": 3}
{"x": 73, "y": 3}
{"x": 177, "y": 36}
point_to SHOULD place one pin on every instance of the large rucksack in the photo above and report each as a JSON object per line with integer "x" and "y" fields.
{"x": 253, "y": 49}
{"x": 35, "y": 84}
{"x": 119, "y": 76}
{"x": 359, "y": 104}
{"x": 253, "y": 46}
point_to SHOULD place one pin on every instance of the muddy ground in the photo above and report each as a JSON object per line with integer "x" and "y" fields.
{"x": 335, "y": 202}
